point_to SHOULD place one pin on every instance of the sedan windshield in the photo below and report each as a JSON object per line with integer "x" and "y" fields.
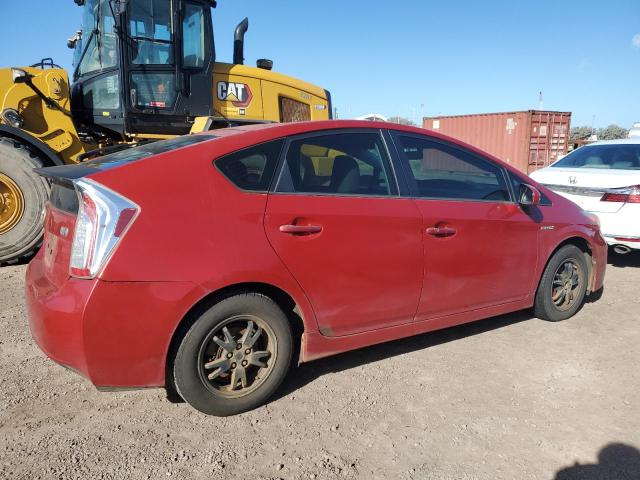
{"x": 612, "y": 157}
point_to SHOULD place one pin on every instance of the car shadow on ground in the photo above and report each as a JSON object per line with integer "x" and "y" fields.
{"x": 22, "y": 261}
{"x": 616, "y": 461}
{"x": 308, "y": 372}
{"x": 631, "y": 259}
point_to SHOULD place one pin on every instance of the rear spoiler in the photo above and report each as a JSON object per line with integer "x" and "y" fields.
{"x": 67, "y": 172}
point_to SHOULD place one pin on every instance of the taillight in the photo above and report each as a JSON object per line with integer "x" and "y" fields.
{"x": 103, "y": 218}
{"x": 623, "y": 195}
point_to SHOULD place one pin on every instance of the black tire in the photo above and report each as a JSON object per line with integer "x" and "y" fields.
{"x": 199, "y": 349}
{"x": 559, "y": 285}
{"x": 24, "y": 238}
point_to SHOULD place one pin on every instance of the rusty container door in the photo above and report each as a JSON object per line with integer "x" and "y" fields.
{"x": 549, "y": 138}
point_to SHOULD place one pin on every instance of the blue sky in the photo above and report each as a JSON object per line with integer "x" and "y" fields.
{"x": 412, "y": 58}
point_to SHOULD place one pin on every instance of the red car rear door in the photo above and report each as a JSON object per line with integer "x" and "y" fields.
{"x": 481, "y": 248}
{"x": 338, "y": 224}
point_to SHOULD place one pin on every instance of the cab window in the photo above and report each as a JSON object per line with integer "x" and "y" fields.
{"x": 151, "y": 27}
{"x": 153, "y": 90}
{"x": 100, "y": 39}
{"x": 193, "y": 36}
{"x": 342, "y": 164}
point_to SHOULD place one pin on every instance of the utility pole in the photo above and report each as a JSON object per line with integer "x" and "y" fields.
{"x": 540, "y": 102}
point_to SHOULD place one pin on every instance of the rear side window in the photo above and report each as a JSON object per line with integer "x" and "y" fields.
{"x": 444, "y": 171}
{"x": 338, "y": 164}
{"x": 252, "y": 168}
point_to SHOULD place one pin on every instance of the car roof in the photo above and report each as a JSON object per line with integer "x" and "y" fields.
{"x": 276, "y": 130}
{"x": 298, "y": 127}
{"x": 621, "y": 141}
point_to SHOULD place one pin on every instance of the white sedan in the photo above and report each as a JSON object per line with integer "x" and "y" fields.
{"x": 603, "y": 178}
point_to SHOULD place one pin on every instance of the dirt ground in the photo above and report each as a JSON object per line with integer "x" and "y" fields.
{"x": 511, "y": 397}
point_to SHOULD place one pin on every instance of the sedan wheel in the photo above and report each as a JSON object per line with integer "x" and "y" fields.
{"x": 563, "y": 285}
{"x": 234, "y": 356}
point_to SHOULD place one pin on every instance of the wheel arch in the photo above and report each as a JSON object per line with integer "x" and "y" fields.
{"x": 581, "y": 243}
{"x": 282, "y": 298}
{"x": 41, "y": 149}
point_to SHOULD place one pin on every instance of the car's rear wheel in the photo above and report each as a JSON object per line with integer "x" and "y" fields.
{"x": 563, "y": 285}
{"x": 235, "y": 355}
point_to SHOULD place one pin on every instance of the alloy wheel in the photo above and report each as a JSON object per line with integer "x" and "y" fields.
{"x": 567, "y": 282}
{"x": 237, "y": 356}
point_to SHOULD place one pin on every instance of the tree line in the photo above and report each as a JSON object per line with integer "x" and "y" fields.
{"x": 612, "y": 132}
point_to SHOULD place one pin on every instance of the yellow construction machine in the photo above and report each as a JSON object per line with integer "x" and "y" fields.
{"x": 143, "y": 70}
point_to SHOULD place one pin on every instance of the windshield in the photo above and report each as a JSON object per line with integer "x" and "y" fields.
{"x": 97, "y": 49}
{"x": 611, "y": 157}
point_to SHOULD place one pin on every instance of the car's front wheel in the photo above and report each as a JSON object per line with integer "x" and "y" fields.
{"x": 235, "y": 355}
{"x": 563, "y": 285}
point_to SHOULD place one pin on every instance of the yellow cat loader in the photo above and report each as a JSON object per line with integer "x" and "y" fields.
{"x": 144, "y": 70}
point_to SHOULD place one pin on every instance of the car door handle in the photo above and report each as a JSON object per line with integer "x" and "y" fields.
{"x": 300, "y": 229}
{"x": 441, "y": 231}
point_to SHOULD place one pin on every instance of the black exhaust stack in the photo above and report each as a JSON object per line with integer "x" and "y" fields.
{"x": 238, "y": 42}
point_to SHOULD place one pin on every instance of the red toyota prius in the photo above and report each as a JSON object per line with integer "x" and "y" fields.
{"x": 200, "y": 263}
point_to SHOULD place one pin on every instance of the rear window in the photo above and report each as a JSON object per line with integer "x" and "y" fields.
{"x": 146, "y": 150}
{"x": 606, "y": 157}
{"x": 121, "y": 157}
{"x": 63, "y": 196}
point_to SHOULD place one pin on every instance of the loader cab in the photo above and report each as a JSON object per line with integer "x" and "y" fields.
{"x": 143, "y": 67}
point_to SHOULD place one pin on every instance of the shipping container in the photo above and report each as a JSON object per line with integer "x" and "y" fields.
{"x": 528, "y": 140}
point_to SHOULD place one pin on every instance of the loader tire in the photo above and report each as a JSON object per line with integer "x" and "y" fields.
{"x": 24, "y": 194}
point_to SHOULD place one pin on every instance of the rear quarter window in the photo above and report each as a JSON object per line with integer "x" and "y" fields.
{"x": 252, "y": 168}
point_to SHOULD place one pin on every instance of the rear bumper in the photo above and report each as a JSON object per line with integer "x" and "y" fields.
{"x": 621, "y": 227}
{"x": 626, "y": 240}
{"x": 116, "y": 334}
{"x": 55, "y": 317}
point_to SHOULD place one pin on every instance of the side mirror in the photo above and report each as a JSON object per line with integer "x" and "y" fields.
{"x": 19, "y": 76}
{"x": 529, "y": 195}
{"x": 71, "y": 43}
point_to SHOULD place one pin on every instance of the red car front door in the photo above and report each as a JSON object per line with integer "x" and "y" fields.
{"x": 340, "y": 228}
{"x": 481, "y": 248}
